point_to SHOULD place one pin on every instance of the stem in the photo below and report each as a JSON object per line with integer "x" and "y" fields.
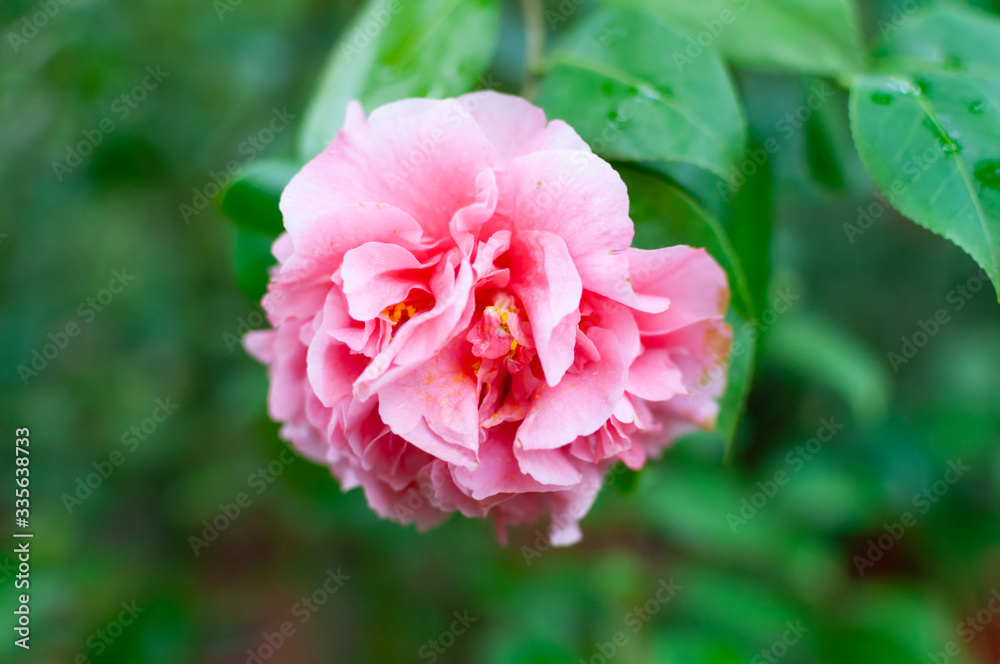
{"x": 534, "y": 37}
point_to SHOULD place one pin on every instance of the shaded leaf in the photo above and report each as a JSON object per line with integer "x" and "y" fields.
{"x": 252, "y": 199}
{"x": 664, "y": 215}
{"x": 252, "y": 259}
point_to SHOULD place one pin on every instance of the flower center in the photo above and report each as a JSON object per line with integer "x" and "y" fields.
{"x": 502, "y": 332}
{"x": 401, "y": 312}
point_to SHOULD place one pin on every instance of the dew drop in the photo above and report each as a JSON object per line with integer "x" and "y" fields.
{"x": 882, "y": 98}
{"x": 648, "y": 92}
{"x": 976, "y": 107}
{"x": 905, "y": 86}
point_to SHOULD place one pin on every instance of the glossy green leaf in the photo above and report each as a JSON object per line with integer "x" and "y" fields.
{"x": 396, "y": 49}
{"x": 639, "y": 107}
{"x": 930, "y": 134}
{"x": 814, "y": 36}
{"x": 251, "y": 201}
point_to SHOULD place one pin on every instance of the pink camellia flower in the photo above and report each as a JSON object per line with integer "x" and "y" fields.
{"x": 460, "y": 322}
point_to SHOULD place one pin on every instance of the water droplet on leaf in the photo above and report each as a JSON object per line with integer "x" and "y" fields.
{"x": 905, "y": 86}
{"x": 882, "y": 98}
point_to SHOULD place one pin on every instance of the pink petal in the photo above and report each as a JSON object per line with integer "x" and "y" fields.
{"x": 378, "y": 275}
{"x": 434, "y": 406}
{"x": 691, "y": 279}
{"x": 552, "y": 467}
{"x": 421, "y": 156}
{"x": 547, "y": 283}
{"x": 581, "y": 403}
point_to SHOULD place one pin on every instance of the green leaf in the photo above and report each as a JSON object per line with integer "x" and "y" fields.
{"x": 930, "y": 135}
{"x": 252, "y": 259}
{"x": 943, "y": 37}
{"x": 831, "y": 357}
{"x": 664, "y": 215}
{"x": 396, "y": 49}
{"x": 251, "y": 201}
{"x": 749, "y": 222}
{"x": 810, "y": 36}
{"x": 639, "y": 107}
{"x": 739, "y": 380}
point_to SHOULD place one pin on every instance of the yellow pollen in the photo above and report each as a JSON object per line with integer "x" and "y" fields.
{"x": 396, "y": 311}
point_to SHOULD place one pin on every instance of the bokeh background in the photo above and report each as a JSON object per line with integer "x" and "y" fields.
{"x": 785, "y": 585}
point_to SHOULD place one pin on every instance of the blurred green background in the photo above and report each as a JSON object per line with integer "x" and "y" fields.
{"x": 785, "y": 584}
